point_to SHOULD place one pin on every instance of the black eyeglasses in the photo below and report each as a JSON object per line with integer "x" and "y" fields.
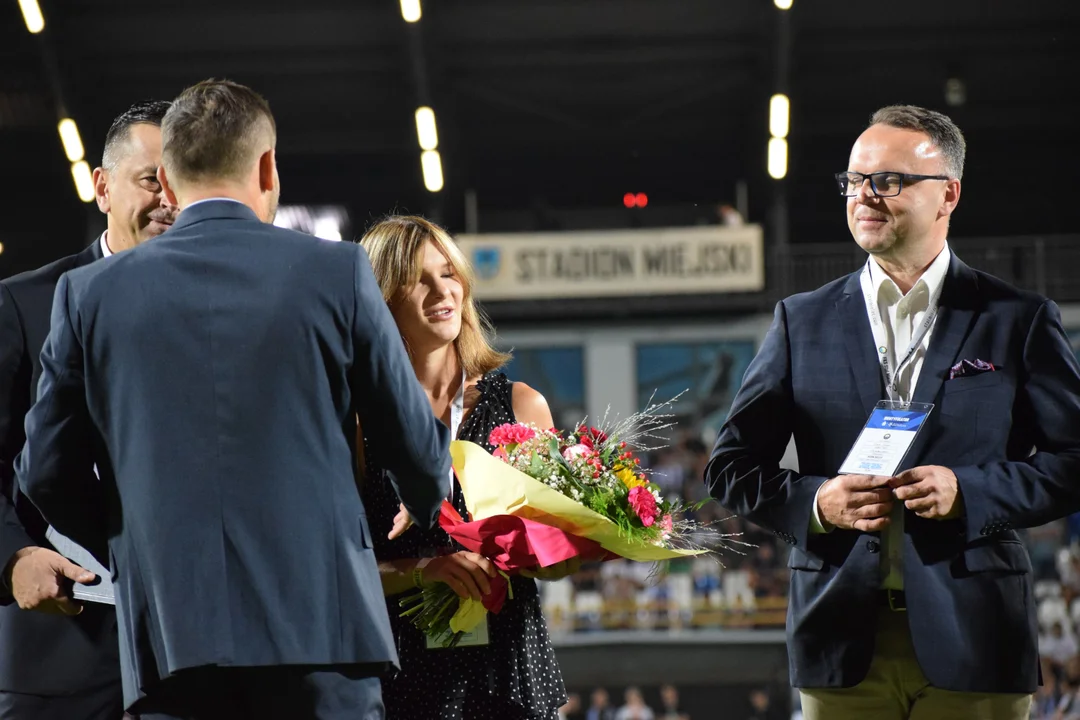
{"x": 884, "y": 184}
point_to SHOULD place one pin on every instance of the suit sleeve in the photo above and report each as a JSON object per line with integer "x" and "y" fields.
{"x": 1046, "y": 485}
{"x": 13, "y": 536}
{"x": 56, "y": 466}
{"x": 744, "y": 473}
{"x": 394, "y": 411}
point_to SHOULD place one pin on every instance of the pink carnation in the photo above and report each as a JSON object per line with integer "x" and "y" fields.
{"x": 667, "y": 524}
{"x": 511, "y": 434}
{"x": 644, "y": 505}
{"x": 575, "y": 451}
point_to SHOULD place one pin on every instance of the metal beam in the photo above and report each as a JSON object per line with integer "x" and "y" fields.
{"x": 782, "y": 84}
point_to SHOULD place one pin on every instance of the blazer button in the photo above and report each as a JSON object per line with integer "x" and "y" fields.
{"x": 873, "y": 546}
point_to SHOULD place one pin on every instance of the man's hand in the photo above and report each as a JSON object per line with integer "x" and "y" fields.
{"x": 554, "y": 572}
{"x": 930, "y": 492}
{"x": 39, "y": 581}
{"x": 855, "y": 502}
{"x": 402, "y": 522}
{"x": 467, "y": 573}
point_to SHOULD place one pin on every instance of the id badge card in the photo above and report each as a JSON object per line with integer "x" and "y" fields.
{"x": 101, "y": 589}
{"x": 885, "y": 440}
{"x": 474, "y": 638}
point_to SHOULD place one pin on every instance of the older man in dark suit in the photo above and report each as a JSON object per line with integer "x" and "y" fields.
{"x": 52, "y": 665}
{"x": 910, "y": 592}
{"x": 215, "y": 375}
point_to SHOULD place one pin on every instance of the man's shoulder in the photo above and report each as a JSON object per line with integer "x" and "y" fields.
{"x": 79, "y": 274}
{"x": 824, "y": 296}
{"x": 996, "y": 292}
{"x": 44, "y": 276}
{"x": 278, "y": 238}
{"x": 341, "y": 255}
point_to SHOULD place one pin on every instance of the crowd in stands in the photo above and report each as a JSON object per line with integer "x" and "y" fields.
{"x": 1055, "y": 559}
{"x": 666, "y": 703}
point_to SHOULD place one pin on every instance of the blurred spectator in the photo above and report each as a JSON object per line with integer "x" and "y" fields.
{"x": 764, "y": 566}
{"x": 669, "y": 704}
{"x": 600, "y": 706}
{"x": 1072, "y": 528}
{"x": 668, "y": 471}
{"x": 1044, "y": 704}
{"x": 1043, "y": 544}
{"x": 763, "y": 708}
{"x": 635, "y": 707}
{"x": 697, "y": 457}
{"x": 622, "y": 583}
{"x": 1068, "y": 568}
{"x": 1058, "y": 646}
{"x": 729, "y": 216}
{"x": 572, "y": 709}
{"x": 1068, "y": 707}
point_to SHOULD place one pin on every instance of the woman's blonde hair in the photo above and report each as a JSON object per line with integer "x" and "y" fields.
{"x": 396, "y": 248}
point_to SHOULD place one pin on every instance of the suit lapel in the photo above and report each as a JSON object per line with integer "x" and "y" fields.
{"x": 957, "y": 310}
{"x": 859, "y": 341}
{"x": 90, "y": 253}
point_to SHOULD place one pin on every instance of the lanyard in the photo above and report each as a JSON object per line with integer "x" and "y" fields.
{"x": 457, "y": 411}
{"x": 892, "y": 375}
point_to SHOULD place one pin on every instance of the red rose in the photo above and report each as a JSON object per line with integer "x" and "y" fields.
{"x": 591, "y": 437}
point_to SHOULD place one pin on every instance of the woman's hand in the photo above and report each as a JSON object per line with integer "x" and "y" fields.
{"x": 555, "y": 572}
{"x": 465, "y": 572}
{"x": 402, "y": 522}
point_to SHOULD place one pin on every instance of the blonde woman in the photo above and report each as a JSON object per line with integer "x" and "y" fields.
{"x": 427, "y": 283}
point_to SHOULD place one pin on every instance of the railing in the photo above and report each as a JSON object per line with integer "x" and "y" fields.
{"x": 611, "y": 615}
{"x": 1049, "y": 265}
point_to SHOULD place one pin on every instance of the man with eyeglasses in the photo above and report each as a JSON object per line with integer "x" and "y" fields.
{"x": 910, "y": 590}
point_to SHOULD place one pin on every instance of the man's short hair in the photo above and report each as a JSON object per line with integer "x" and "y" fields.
{"x": 148, "y": 112}
{"x": 940, "y": 128}
{"x": 215, "y": 130}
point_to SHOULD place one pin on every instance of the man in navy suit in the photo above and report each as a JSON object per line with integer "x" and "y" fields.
{"x": 51, "y": 665}
{"x": 910, "y": 595}
{"x": 215, "y": 375}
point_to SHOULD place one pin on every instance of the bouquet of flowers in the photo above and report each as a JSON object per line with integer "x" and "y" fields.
{"x": 546, "y": 496}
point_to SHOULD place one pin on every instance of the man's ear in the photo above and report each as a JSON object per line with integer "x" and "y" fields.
{"x": 163, "y": 178}
{"x": 268, "y": 171}
{"x": 101, "y": 190}
{"x": 952, "y": 198}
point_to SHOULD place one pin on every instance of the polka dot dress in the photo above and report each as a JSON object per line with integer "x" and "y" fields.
{"x": 515, "y": 676}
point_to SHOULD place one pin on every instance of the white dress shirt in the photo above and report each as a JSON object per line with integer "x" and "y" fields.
{"x": 105, "y": 251}
{"x": 900, "y": 317}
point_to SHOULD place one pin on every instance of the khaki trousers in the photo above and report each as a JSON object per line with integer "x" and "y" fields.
{"x": 896, "y": 689}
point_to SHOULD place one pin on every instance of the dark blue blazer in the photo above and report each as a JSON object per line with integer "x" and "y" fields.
{"x": 967, "y": 581}
{"x": 215, "y": 375}
{"x": 39, "y": 654}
